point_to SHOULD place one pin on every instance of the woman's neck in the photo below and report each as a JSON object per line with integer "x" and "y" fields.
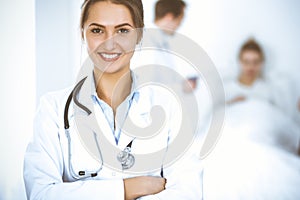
{"x": 247, "y": 80}
{"x": 113, "y": 88}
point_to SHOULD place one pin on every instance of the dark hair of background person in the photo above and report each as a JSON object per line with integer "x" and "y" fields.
{"x": 163, "y": 7}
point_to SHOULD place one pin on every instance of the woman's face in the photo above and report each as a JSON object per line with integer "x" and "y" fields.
{"x": 110, "y": 36}
{"x": 251, "y": 63}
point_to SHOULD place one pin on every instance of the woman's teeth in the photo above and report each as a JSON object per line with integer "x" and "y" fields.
{"x": 109, "y": 56}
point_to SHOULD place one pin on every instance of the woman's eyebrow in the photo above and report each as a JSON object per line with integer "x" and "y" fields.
{"x": 95, "y": 24}
{"x": 124, "y": 24}
{"x": 118, "y": 26}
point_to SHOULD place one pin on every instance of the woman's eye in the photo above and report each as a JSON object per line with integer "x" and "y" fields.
{"x": 123, "y": 30}
{"x": 96, "y": 30}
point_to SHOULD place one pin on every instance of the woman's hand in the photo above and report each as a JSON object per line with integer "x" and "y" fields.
{"x": 236, "y": 99}
{"x": 142, "y": 186}
{"x": 190, "y": 85}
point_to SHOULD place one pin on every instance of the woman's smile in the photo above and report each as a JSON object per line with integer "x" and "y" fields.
{"x": 109, "y": 56}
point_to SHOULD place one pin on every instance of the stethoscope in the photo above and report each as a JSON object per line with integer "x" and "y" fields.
{"x": 125, "y": 157}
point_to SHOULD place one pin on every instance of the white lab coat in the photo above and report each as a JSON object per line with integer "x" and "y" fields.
{"x": 159, "y": 49}
{"x": 46, "y": 164}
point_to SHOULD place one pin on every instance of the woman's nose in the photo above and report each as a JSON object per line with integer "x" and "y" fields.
{"x": 109, "y": 43}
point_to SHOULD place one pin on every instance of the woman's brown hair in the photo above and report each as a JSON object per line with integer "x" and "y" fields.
{"x": 252, "y": 45}
{"x": 134, "y": 6}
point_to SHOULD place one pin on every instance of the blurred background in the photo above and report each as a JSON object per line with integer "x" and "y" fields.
{"x": 41, "y": 51}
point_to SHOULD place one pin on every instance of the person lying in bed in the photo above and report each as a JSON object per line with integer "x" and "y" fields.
{"x": 256, "y": 156}
{"x": 250, "y": 82}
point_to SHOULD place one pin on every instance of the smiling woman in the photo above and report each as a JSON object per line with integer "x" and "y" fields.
{"x": 60, "y": 162}
{"x": 111, "y": 39}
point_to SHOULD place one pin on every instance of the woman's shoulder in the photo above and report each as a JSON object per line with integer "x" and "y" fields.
{"x": 57, "y": 95}
{"x": 53, "y": 101}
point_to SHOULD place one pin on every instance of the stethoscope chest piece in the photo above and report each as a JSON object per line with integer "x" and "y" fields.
{"x": 126, "y": 158}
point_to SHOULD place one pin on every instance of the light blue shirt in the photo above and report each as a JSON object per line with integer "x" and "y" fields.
{"x": 122, "y": 109}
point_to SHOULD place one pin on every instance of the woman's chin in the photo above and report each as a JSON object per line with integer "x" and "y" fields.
{"x": 111, "y": 69}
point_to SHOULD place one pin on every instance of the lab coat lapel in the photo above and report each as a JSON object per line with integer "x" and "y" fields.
{"x": 96, "y": 119}
{"x": 94, "y": 126}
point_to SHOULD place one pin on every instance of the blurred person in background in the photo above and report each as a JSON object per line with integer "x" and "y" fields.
{"x": 257, "y": 104}
{"x": 169, "y": 15}
{"x": 250, "y": 82}
{"x": 256, "y": 157}
{"x": 163, "y": 39}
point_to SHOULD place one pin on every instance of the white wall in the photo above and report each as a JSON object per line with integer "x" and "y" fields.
{"x": 17, "y": 86}
{"x": 57, "y": 44}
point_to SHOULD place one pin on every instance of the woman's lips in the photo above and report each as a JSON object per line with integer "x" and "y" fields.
{"x": 109, "y": 57}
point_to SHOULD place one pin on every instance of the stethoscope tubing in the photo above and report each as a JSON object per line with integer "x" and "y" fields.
{"x": 86, "y": 174}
